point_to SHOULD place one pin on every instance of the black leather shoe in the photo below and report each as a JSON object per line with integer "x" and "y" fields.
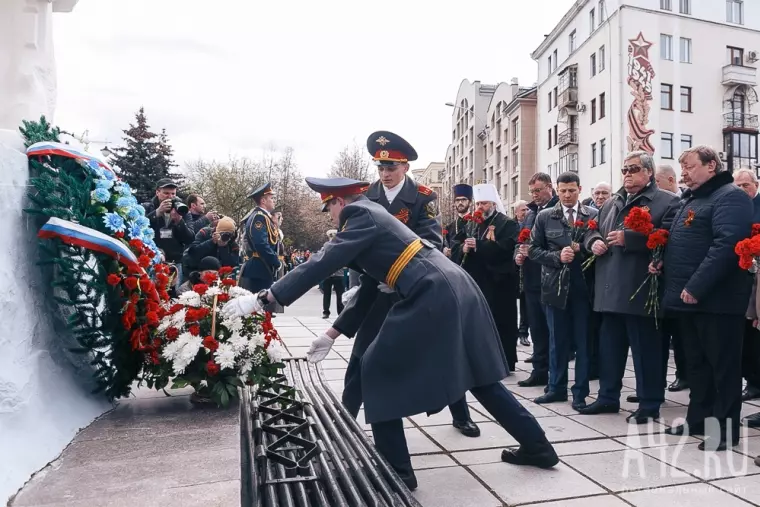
{"x": 529, "y": 359}
{"x": 632, "y": 399}
{"x": 524, "y": 341}
{"x": 600, "y": 408}
{"x": 579, "y": 404}
{"x": 325, "y": 315}
{"x": 643, "y": 416}
{"x": 535, "y": 379}
{"x": 542, "y": 456}
{"x": 686, "y": 429}
{"x": 467, "y": 428}
{"x": 750, "y": 393}
{"x": 678, "y": 385}
{"x": 715, "y": 444}
{"x": 551, "y": 397}
{"x": 752, "y": 420}
{"x": 410, "y": 480}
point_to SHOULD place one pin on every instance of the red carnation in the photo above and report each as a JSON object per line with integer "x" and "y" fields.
{"x": 113, "y": 279}
{"x": 162, "y": 279}
{"x": 209, "y": 277}
{"x": 130, "y": 282}
{"x": 143, "y": 261}
{"x": 225, "y": 270}
{"x": 229, "y": 282}
{"x": 745, "y": 261}
{"x": 639, "y": 220}
{"x": 477, "y": 217}
{"x": 172, "y": 333}
{"x": 136, "y": 244}
{"x": 592, "y": 225}
{"x": 212, "y": 368}
{"x": 194, "y": 330}
{"x": 210, "y": 343}
{"x": 444, "y": 231}
{"x": 175, "y": 308}
{"x": 200, "y": 288}
{"x": 164, "y": 295}
{"x": 755, "y": 230}
{"x": 524, "y": 236}
{"x": 578, "y": 224}
{"x": 467, "y": 217}
{"x": 129, "y": 317}
{"x": 119, "y": 235}
{"x": 152, "y": 318}
{"x": 658, "y": 238}
{"x": 223, "y": 298}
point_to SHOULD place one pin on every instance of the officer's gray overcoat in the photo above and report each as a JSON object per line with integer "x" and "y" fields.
{"x": 437, "y": 342}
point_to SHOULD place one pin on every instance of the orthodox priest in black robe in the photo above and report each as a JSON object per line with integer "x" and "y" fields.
{"x": 462, "y": 203}
{"x": 484, "y": 249}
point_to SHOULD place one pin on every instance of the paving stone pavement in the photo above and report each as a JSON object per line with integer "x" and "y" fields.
{"x": 605, "y": 462}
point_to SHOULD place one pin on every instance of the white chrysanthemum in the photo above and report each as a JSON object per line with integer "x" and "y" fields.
{"x": 165, "y": 323}
{"x": 225, "y": 355}
{"x": 236, "y": 292}
{"x": 178, "y": 319}
{"x": 276, "y": 351}
{"x": 233, "y": 324}
{"x": 171, "y": 350}
{"x": 183, "y": 351}
{"x": 255, "y": 341}
{"x": 190, "y": 298}
{"x": 212, "y": 291}
{"x": 239, "y": 342}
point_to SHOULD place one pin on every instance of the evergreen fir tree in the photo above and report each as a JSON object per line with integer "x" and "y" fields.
{"x": 166, "y": 159}
{"x": 140, "y": 163}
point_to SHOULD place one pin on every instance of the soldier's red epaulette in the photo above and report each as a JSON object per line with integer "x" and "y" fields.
{"x": 424, "y": 190}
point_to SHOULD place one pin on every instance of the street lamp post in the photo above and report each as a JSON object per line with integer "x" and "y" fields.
{"x": 483, "y": 132}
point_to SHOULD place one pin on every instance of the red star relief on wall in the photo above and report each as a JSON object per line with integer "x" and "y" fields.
{"x": 640, "y": 46}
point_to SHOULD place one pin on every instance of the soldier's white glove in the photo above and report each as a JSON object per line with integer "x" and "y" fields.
{"x": 319, "y": 349}
{"x": 349, "y": 294}
{"x": 385, "y": 289}
{"x": 241, "y": 307}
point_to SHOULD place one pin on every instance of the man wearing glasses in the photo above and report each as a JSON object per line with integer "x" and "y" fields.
{"x": 543, "y": 195}
{"x": 415, "y": 206}
{"x": 622, "y": 265}
{"x": 462, "y": 201}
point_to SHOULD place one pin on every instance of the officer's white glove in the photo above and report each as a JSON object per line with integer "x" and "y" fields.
{"x": 241, "y": 307}
{"x": 385, "y": 289}
{"x": 319, "y": 349}
{"x": 349, "y": 294}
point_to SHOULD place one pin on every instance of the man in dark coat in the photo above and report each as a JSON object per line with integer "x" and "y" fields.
{"x": 556, "y": 244}
{"x": 462, "y": 202}
{"x": 708, "y": 293}
{"x": 413, "y": 205}
{"x": 521, "y": 211}
{"x": 747, "y": 181}
{"x": 622, "y": 265}
{"x": 540, "y": 185}
{"x": 486, "y": 250}
{"x": 437, "y": 342}
{"x": 261, "y": 237}
{"x": 216, "y": 241}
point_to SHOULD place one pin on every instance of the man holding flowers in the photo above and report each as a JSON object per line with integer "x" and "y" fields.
{"x": 620, "y": 246}
{"x": 556, "y": 244}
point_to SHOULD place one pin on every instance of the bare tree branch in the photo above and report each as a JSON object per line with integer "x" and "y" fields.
{"x": 353, "y": 162}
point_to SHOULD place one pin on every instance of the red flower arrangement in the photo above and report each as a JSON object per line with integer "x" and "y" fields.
{"x": 578, "y": 230}
{"x": 748, "y": 249}
{"x": 656, "y": 242}
{"x": 592, "y": 226}
{"x": 472, "y": 218}
{"x": 639, "y": 220}
{"x": 524, "y": 236}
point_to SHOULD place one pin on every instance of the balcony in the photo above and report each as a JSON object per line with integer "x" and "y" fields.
{"x": 567, "y": 137}
{"x": 743, "y": 121}
{"x": 734, "y": 75}
{"x": 568, "y": 97}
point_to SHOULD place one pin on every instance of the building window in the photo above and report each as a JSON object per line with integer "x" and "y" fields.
{"x": 555, "y": 96}
{"x": 735, "y": 55}
{"x": 550, "y": 101}
{"x": 554, "y": 60}
{"x": 685, "y": 142}
{"x": 555, "y": 134}
{"x": 666, "y": 96}
{"x": 741, "y": 149}
{"x": 686, "y": 99}
{"x": 601, "y": 58}
{"x": 735, "y": 11}
{"x": 593, "y": 111}
{"x": 684, "y": 6}
{"x": 593, "y": 154}
{"x": 572, "y": 41}
{"x": 592, "y": 20}
{"x": 516, "y": 158}
{"x": 593, "y": 64}
{"x": 666, "y": 46}
{"x": 602, "y": 11}
{"x": 665, "y": 5}
{"x": 550, "y": 138}
{"x": 549, "y": 64}
{"x": 685, "y": 50}
{"x": 515, "y": 128}
{"x": 602, "y": 150}
{"x": 602, "y": 105}
{"x": 667, "y": 145}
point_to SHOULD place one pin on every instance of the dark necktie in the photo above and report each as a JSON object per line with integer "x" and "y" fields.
{"x": 570, "y": 216}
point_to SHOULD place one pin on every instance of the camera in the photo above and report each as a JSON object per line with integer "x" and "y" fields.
{"x": 226, "y": 236}
{"x": 180, "y": 206}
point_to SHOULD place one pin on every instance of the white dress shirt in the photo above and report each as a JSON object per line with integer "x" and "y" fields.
{"x": 575, "y": 209}
{"x": 391, "y": 193}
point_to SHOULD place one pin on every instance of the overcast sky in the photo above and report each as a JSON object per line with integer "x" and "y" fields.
{"x": 231, "y": 77}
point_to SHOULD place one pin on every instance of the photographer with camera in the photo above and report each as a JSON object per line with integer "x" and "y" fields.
{"x": 219, "y": 242}
{"x": 198, "y": 218}
{"x": 166, "y": 214}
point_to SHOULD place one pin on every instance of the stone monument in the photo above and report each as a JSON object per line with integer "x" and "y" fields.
{"x": 43, "y": 403}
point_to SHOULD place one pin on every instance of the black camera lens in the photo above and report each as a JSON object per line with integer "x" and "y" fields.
{"x": 226, "y": 236}
{"x": 180, "y": 206}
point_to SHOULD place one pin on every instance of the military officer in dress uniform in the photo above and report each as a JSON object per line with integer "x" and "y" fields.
{"x": 413, "y": 205}
{"x": 462, "y": 201}
{"x": 260, "y": 247}
{"x": 438, "y": 340}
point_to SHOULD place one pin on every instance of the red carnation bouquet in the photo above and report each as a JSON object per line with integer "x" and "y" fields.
{"x": 592, "y": 226}
{"x": 473, "y": 220}
{"x": 523, "y": 238}
{"x": 656, "y": 241}
{"x": 576, "y": 236}
{"x": 748, "y": 250}
{"x": 639, "y": 220}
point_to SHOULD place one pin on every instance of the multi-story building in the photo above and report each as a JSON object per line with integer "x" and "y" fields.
{"x": 493, "y": 141}
{"x": 654, "y": 75}
{"x": 431, "y": 176}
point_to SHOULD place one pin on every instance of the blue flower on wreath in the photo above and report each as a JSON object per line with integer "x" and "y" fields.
{"x": 105, "y": 184}
{"x": 100, "y": 195}
{"x": 133, "y": 213}
{"x": 126, "y": 202}
{"x": 149, "y": 233}
{"x": 143, "y": 222}
{"x": 114, "y": 222}
{"x": 109, "y": 175}
{"x": 125, "y": 189}
{"x": 135, "y": 232}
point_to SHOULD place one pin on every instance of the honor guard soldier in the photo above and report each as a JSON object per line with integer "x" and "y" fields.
{"x": 462, "y": 201}
{"x": 261, "y": 261}
{"x": 415, "y": 206}
{"x": 438, "y": 341}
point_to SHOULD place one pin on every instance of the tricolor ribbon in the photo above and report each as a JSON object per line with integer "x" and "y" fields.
{"x": 75, "y": 234}
{"x": 46, "y": 148}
